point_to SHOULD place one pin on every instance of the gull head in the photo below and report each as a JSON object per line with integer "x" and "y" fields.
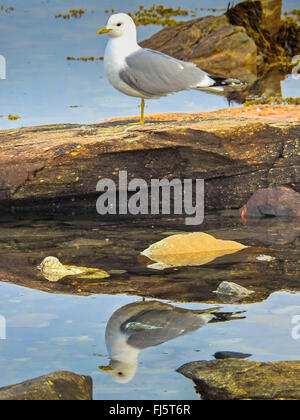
{"x": 119, "y": 25}
{"x": 122, "y": 372}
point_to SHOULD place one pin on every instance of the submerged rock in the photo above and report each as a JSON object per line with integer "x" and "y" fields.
{"x": 234, "y": 379}
{"x": 189, "y": 249}
{"x": 232, "y": 290}
{"x": 265, "y": 258}
{"x": 57, "y": 386}
{"x": 53, "y": 270}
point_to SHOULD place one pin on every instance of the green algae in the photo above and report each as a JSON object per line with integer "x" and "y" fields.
{"x": 273, "y": 101}
{"x": 13, "y": 117}
{"x": 164, "y": 16}
{"x": 6, "y": 10}
{"x": 85, "y": 59}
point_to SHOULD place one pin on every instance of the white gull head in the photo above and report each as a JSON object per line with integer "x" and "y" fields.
{"x": 121, "y": 25}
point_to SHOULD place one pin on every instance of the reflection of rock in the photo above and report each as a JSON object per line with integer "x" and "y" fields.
{"x": 237, "y": 44}
{"x": 190, "y": 249}
{"x": 273, "y": 231}
{"x": 138, "y": 326}
{"x": 273, "y": 202}
{"x": 242, "y": 380}
{"x": 57, "y": 386}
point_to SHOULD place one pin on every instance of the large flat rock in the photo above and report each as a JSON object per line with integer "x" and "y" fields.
{"x": 234, "y": 379}
{"x": 237, "y": 151}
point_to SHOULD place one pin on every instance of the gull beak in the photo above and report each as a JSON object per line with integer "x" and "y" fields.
{"x": 104, "y": 31}
{"x": 105, "y": 368}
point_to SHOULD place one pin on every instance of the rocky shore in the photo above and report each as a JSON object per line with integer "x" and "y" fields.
{"x": 53, "y": 170}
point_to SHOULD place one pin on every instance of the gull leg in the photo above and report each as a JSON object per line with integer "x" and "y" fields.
{"x": 142, "y": 121}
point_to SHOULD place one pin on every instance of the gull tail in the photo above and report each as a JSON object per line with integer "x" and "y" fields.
{"x": 220, "y": 85}
{"x": 214, "y": 315}
{"x": 227, "y": 316}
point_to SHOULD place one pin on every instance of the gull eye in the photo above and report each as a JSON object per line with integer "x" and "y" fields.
{"x": 119, "y": 24}
{"x": 120, "y": 373}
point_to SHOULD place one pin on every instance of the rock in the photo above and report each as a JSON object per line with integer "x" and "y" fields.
{"x": 221, "y": 355}
{"x": 53, "y": 170}
{"x": 275, "y": 202}
{"x": 266, "y": 258}
{"x": 232, "y": 289}
{"x": 57, "y": 386}
{"x": 271, "y": 15}
{"x": 244, "y": 380}
{"x": 53, "y": 270}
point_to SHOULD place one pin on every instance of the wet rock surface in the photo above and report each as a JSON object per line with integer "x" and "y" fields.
{"x": 57, "y": 386}
{"x": 54, "y": 170}
{"x": 24, "y": 245}
{"x": 244, "y": 380}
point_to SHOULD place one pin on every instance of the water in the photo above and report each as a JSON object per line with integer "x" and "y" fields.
{"x": 41, "y": 84}
{"x": 61, "y": 326}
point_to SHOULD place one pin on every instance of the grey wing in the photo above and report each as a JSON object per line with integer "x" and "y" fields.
{"x": 150, "y": 328}
{"x": 156, "y": 74}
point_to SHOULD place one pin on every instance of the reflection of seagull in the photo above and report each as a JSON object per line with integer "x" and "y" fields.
{"x": 140, "y": 325}
{"x": 149, "y": 74}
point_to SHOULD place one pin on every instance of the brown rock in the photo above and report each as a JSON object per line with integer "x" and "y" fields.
{"x": 54, "y": 169}
{"x": 271, "y": 17}
{"x": 276, "y": 202}
{"x": 234, "y": 379}
{"x": 57, "y": 386}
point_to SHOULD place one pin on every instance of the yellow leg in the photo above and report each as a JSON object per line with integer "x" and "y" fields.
{"x": 142, "y": 121}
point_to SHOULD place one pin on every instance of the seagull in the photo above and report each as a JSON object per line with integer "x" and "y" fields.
{"x": 149, "y": 74}
{"x": 141, "y": 325}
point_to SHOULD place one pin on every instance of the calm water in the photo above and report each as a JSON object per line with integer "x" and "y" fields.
{"x": 41, "y": 84}
{"x": 52, "y": 332}
{"x": 65, "y": 329}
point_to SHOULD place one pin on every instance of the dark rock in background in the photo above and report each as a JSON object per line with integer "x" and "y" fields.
{"x": 222, "y": 355}
{"x": 250, "y": 42}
